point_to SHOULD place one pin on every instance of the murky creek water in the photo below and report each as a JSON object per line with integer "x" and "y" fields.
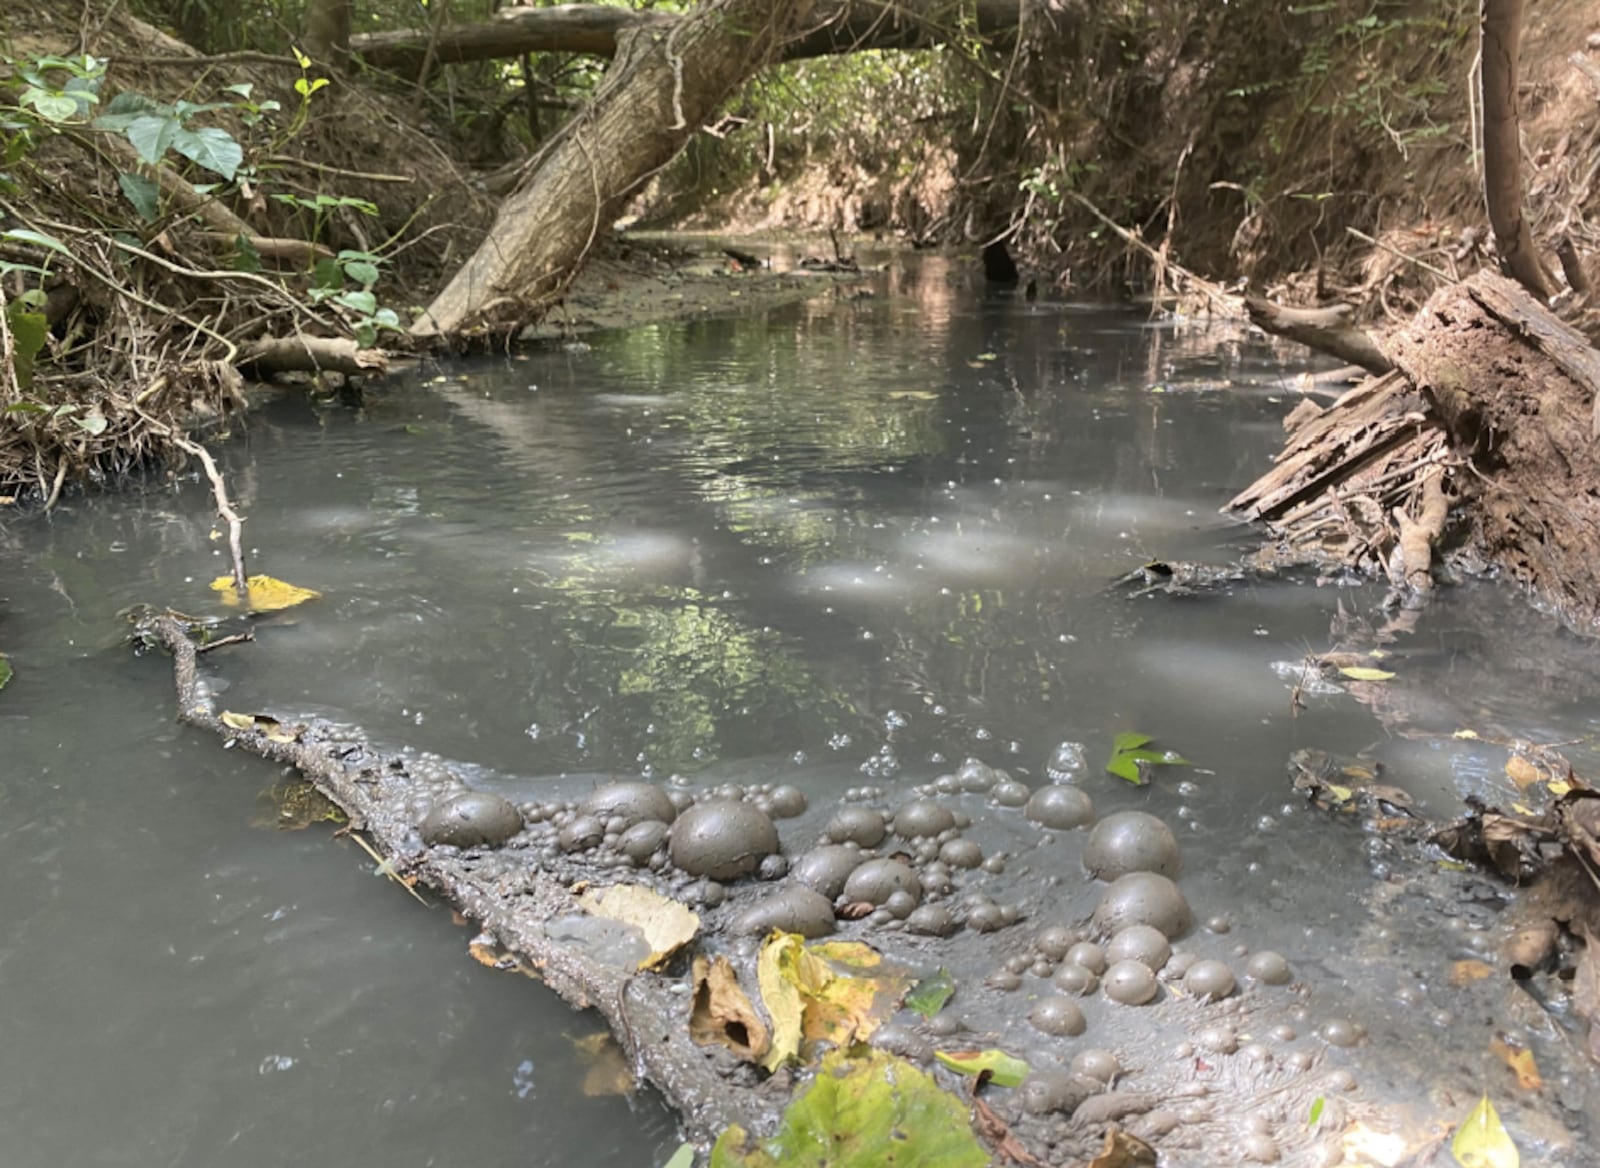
{"x": 854, "y": 541}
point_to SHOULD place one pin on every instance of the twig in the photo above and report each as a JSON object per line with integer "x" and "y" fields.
{"x": 219, "y": 491}
{"x": 1213, "y": 292}
{"x": 386, "y": 867}
{"x": 1395, "y": 251}
{"x": 234, "y": 639}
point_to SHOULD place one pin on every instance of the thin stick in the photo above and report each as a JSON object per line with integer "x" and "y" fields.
{"x": 1395, "y": 251}
{"x": 219, "y": 491}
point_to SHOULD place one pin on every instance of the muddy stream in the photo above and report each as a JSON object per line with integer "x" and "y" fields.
{"x": 842, "y": 546}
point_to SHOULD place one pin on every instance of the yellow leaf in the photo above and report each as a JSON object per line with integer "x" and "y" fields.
{"x": 1365, "y": 673}
{"x": 835, "y": 991}
{"x": 1522, "y": 772}
{"x": 1340, "y": 794}
{"x": 1472, "y": 734}
{"x": 266, "y": 593}
{"x": 1481, "y": 1140}
{"x": 667, "y": 925}
{"x": 780, "y": 994}
{"x": 722, "y": 1012}
{"x": 1558, "y": 787}
{"x": 238, "y": 721}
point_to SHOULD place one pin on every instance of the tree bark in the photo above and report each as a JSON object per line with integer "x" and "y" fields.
{"x": 663, "y": 85}
{"x": 1500, "y": 29}
{"x": 840, "y": 26}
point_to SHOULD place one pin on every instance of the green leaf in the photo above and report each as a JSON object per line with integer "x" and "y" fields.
{"x": 94, "y": 422}
{"x": 862, "y": 1112}
{"x": 1131, "y": 749}
{"x": 327, "y": 274}
{"x": 151, "y": 134}
{"x": 53, "y": 107}
{"x": 931, "y": 993}
{"x": 245, "y": 256}
{"x": 1482, "y": 1142}
{"x": 1316, "y": 1111}
{"x": 363, "y": 302}
{"x": 362, "y": 273}
{"x": 1005, "y": 1070}
{"x": 244, "y": 89}
{"x": 5, "y": 671}
{"x": 212, "y": 148}
{"x": 1129, "y": 740}
{"x": 143, "y": 194}
{"x": 682, "y": 1158}
{"x": 27, "y": 235}
{"x": 29, "y": 331}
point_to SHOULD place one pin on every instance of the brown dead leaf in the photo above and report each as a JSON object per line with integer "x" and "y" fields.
{"x": 723, "y": 1014}
{"x": 1466, "y": 972}
{"x": 1522, "y": 772}
{"x": 666, "y": 924}
{"x": 606, "y": 1071}
{"x": 995, "y": 1132}
{"x": 485, "y": 949}
{"x": 1124, "y": 1151}
{"x": 1520, "y": 1060}
{"x": 855, "y": 910}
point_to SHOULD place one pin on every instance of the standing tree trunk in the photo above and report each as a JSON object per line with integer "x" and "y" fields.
{"x": 327, "y": 32}
{"x": 1500, "y": 28}
{"x": 662, "y": 86}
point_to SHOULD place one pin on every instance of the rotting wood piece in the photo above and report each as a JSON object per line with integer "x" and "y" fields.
{"x": 306, "y": 354}
{"x": 647, "y": 1017}
{"x": 1516, "y": 390}
{"x": 1327, "y": 330}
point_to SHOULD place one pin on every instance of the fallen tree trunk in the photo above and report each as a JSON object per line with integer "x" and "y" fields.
{"x": 662, "y": 87}
{"x": 1328, "y": 330}
{"x": 1486, "y": 381}
{"x": 593, "y": 30}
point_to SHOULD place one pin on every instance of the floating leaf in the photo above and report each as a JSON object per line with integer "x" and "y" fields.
{"x": 605, "y": 1069}
{"x": 1317, "y": 1105}
{"x": 931, "y": 993}
{"x": 1466, "y": 972}
{"x": 1365, "y": 673}
{"x": 682, "y": 1158}
{"x": 1468, "y": 734}
{"x": 1522, "y": 772}
{"x": 1129, "y": 750}
{"x": 1005, "y": 1070}
{"x": 5, "y": 671}
{"x": 266, "y": 593}
{"x": 1481, "y": 1140}
{"x": 722, "y": 1013}
{"x": 872, "y": 1111}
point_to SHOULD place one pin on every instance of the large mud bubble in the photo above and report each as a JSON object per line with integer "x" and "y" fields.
{"x": 1218, "y": 1040}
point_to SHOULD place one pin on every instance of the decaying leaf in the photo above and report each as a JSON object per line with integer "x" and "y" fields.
{"x": 294, "y": 804}
{"x": 868, "y": 1111}
{"x": 931, "y": 993}
{"x": 605, "y": 1070}
{"x": 1520, "y": 1060}
{"x": 997, "y": 1133}
{"x": 831, "y": 991}
{"x": 1469, "y": 971}
{"x": 682, "y": 1158}
{"x": 1586, "y": 991}
{"x": 1005, "y": 1070}
{"x": 264, "y": 724}
{"x": 266, "y": 593}
{"x": 1124, "y": 1151}
{"x": 486, "y": 949}
{"x": 722, "y": 1012}
{"x": 1482, "y": 1142}
{"x": 5, "y": 671}
{"x": 1522, "y": 772}
{"x": 667, "y": 925}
